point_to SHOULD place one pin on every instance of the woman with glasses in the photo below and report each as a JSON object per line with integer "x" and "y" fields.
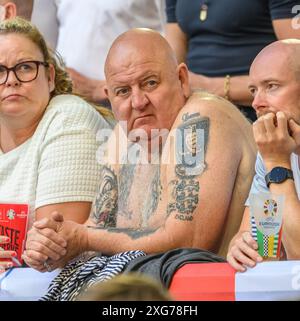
{"x": 47, "y": 135}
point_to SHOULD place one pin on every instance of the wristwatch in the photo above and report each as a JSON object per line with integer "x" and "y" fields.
{"x": 278, "y": 175}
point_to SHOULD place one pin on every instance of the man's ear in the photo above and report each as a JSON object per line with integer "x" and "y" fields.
{"x": 183, "y": 75}
{"x": 10, "y": 10}
{"x": 51, "y": 77}
{"x": 106, "y": 91}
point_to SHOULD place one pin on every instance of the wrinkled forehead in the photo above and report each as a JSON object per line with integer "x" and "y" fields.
{"x": 124, "y": 57}
{"x": 136, "y": 65}
{"x": 137, "y": 70}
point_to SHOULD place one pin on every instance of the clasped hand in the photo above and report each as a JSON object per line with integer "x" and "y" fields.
{"x": 54, "y": 241}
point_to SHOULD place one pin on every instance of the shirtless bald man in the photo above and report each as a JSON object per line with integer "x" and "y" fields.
{"x": 155, "y": 208}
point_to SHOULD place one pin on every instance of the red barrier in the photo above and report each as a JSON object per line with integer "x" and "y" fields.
{"x": 204, "y": 282}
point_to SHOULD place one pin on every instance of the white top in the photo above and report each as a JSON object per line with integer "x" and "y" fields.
{"x": 259, "y": 184}
{"x": 87, "y": 28}
{"x": 58, "y": 163}
{"x": 44, "y": 16}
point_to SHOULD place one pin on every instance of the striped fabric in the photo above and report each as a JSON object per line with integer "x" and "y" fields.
{"x": 80, "y": 274}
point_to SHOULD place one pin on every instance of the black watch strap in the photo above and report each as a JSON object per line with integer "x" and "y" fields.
{"x": 278, "y": 175}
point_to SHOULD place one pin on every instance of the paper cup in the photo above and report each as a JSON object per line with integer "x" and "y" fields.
{"x": 266, "y": 212}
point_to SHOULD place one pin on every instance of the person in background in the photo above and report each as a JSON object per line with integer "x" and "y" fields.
{"x": 219, "y": 39}
{"x": 85, "y": 29}
{"x": 47, "y": 135}
{"x": 12, "y": 8}
{"x": 275, "y": 87}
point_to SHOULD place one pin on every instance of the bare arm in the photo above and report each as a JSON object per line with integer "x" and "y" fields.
{"x": 238, "y": 93}
{"x": 177, "y": 40}
{"x": 92, "y": 89}
{"x": 284, "y": 29}
{"x": 238, "y": 87}
{"x": 74, "y": 211}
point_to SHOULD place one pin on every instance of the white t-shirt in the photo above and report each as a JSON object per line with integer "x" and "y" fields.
{"x": 87, "y": 28}
{"x": 259, "y": 184}
{"x": 58, "y": 163}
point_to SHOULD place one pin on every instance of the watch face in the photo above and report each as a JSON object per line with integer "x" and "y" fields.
{"x": 278, "y": 174}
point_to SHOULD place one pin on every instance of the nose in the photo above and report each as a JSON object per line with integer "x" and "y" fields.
{"x": 139, "y": 99}
{"x": 259, "y": 100}
{"x": 12, "y": 80}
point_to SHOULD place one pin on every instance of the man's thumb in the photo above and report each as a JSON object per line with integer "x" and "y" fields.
{"x": 56, "y": 216}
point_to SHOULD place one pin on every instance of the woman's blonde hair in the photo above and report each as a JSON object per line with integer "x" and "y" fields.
{"x": 62, "y": 81}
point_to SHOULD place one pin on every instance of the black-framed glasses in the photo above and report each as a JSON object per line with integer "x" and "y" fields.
{"x": 24, "y": 71}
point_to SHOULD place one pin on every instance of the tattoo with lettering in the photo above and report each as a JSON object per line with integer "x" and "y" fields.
{"x": 105, "y": 206}
{"x": 191, "y": 146}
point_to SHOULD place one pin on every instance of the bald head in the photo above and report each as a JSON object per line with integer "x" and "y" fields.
{"x": 284, "y": 51}
{"x": 143, "y": 44}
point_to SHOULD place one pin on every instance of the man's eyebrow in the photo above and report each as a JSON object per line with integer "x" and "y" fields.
{"x": 147, "y": 75}
{"x": 263, "y": 82}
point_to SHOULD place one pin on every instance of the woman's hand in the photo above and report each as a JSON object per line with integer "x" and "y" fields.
{"x": 243, "y": 252}
{"x": 5, "y": 255}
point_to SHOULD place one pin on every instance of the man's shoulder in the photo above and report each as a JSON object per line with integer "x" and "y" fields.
{"x": 212, "y": 106}
{"x": 222, "y": 114}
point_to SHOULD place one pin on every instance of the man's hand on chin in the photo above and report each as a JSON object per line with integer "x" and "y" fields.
{"x": 294, "y": 129}
{"x": 272, "y": 137}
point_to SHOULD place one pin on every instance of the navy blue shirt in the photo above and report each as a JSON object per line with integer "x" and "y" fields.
{"x": 231, "y": 36}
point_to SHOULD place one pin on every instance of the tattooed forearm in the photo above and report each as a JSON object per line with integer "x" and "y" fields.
{"x": 133, "y": 234}
{"x": 191, "y": 146}
{"x": 105, "y": 207}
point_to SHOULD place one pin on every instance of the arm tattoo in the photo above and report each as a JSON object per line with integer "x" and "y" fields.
{"x": 105, "y": 206}
{"x": 132, "y": 233}
{"x": 191, "y": 146}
